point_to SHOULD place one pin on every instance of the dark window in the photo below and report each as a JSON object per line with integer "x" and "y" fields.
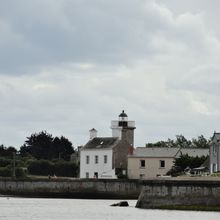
{"x": 123, "y": 124}
{"x": 87, "y": 159}
{"x": 142, "y": 163}
{"x": 105, "y": 159}
{"x": 87, "y": 174}
{"x": 162, "y": 163}
{"x": 96, "y": 159}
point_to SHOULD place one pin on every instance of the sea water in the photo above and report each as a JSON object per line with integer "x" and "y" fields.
{"x": 12, "y": 208}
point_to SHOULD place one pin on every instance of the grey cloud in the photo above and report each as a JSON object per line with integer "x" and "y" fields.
{"x": 67, "y": 66}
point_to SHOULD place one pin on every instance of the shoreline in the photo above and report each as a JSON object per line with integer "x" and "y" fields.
{"x": 171, "y": 194}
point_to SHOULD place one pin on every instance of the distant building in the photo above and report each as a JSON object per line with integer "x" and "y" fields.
{"x": 215, "y": 153}
{"x": 106, "y": 157}
{"x": 157, "y": 161}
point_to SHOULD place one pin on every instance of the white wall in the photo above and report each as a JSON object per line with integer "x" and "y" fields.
{"x": 104, "y": 170}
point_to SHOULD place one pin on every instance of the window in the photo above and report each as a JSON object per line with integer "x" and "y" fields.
{"x": 142, "y": 163}
{"x": 87, "y": 159}
{"x": 96, "y": 159}
{"x": 87, "y": 174}
{"x": 105, "y": 159}
{"x": 162, "y": 163}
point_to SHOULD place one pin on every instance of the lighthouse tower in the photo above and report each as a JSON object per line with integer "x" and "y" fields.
{"x": 123, "y": 129}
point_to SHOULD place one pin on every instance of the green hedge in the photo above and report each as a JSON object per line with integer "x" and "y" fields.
{"x": 5, "y": 172}
{"x": 60, "y": 168}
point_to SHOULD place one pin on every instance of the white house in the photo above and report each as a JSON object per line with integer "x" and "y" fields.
{"x": 214, "y": 153}
{"x": 106, "y": 157}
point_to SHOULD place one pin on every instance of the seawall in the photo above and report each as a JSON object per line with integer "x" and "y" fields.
{"x": 77, "y": 188}
{"x": 180, "y": 194}
{"x": 157, "y": 193}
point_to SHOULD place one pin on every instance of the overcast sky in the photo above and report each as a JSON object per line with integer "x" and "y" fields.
{"x": 67, "y": 66}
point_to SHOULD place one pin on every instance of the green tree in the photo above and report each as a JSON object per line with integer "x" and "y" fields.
{"x": 43, "y": 146}
{"x": 201, "y": 142}
{"x": 181, "y": 141}
{"x": 184, "y": 161}
{"x": 39, "y": 145}
{"x": 7, "y": 151}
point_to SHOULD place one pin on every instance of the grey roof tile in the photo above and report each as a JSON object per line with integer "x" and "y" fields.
{"x": 101, "y": 143}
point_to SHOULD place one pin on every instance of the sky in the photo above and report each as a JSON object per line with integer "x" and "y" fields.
{"x": 67, "y": 66}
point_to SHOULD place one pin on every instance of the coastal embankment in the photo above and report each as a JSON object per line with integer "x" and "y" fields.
{"x": 72, "y": 188}
{"x": 160, "y": 193}
{"x": 191, "y": 194}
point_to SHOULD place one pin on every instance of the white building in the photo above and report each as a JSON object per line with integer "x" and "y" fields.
{"x": 214, "y": 153}
{"x": 106, "y": 157}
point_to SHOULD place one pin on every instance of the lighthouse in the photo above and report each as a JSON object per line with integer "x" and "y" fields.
{"x": 123, "y": 128}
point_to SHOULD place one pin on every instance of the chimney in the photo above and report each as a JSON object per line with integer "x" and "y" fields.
{"x": 93, "y": 133}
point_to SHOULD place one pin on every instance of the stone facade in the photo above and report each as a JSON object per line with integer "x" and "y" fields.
{"x": 215, "y": 153}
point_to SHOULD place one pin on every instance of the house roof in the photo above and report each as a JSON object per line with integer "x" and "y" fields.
{"x": 216, "y": 136}
{"x": 168, "y": 152}
{"x": 101, "y": 143}
{"x": 155, "y": 152}
{"x": 193, "y": 152}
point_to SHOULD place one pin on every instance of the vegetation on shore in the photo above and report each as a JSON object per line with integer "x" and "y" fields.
{"x": 181, "y": 141}
{"x": 42, "y": 154}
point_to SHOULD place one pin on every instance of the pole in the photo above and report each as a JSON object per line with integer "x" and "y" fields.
{"x": 13, "y": 171}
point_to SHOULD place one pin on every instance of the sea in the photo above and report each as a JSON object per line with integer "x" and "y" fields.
{"x": 13, "y": 208}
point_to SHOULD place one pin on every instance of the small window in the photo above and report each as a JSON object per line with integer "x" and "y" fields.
{"x": 87, "y": 174}
{"x": 105, "y": 159}
{"x": 162, "y": 163}
{"x": 96, "y": 159}
{"x": 87, "y": 159}
{"x": 142, "y": 163}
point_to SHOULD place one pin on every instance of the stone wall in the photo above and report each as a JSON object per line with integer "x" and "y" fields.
{"x": 85, "y": 188}
{"x": 174, "y": 193}
{"x": 157, "y": 193}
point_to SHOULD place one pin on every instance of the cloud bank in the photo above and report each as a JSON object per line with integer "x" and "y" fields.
{"x": 68, "y": 66}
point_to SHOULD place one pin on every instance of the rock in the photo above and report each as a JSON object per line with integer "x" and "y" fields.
{"x": 121, "y": 204}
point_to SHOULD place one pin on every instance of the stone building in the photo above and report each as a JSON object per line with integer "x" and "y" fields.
{"x": 106, "y": 157}
{"x": 214, "y": 153}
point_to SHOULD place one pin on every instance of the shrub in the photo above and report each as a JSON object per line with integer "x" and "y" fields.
{"x": 20, "y": 172}
{"x": 5, "y": 162}
{"x": 40, "y": 167}
{"x": 5, "y": 172}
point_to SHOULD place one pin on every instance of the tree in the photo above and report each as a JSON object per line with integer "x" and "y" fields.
{"x": 182, "y": 142}
{"x": 61, "y": 148}
{"x": 43, "y": 146}
{"x": 38, "y": 145}
{"x": 7, "y": 151}
{"x": 184, "y": 161}
{"x": 201, "y": 142}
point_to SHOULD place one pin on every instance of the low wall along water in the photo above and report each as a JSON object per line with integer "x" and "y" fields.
{"x": 180, "y": 194}
{"x": 78, "y": 188}
{"x": 158, "y": 193}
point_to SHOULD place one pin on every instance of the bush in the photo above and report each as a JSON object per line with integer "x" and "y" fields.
{"x": 5, "y": 162}
{"x": 20, "y": 172}
{"x": 40, "y": 167}
{"x": 5, "y": 172}
{"x": 64, "y": 168}
{"x": 59, "y": 168}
